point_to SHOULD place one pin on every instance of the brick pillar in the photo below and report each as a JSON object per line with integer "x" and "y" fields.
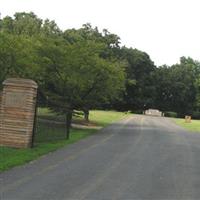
{"x": 17, "y": 112}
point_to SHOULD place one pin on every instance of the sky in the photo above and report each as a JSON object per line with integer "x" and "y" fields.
{"x": 165, "y": 29}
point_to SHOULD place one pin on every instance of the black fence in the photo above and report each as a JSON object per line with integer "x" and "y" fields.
{"x": 48, "y": 126}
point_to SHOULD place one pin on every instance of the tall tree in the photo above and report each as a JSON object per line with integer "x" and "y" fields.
{"x": 178, "y": 86}
{"x": 17, "y": 57}
{"x": 75, "y": 73}
{"x": 139, "y": 91}
{"x": 109, "y": 52}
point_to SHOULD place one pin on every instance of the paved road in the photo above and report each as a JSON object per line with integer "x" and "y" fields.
{"x": 138, "y": 158}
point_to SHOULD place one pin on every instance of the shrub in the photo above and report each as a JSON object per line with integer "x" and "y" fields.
{"x": 196, "y": 115}
{"x": 171, "y": 114}
{"x": 137, "y": 111}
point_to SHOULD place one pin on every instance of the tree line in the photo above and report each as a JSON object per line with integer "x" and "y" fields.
{"x": 83, "y": 69}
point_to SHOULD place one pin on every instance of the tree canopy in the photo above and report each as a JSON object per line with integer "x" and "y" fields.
{"x": 82, "y": 69}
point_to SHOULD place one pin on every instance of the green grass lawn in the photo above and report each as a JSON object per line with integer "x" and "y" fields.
{"x": 50, "y": 137}
{"x": 103, "y": 118}
{"x": 193, "y": 126}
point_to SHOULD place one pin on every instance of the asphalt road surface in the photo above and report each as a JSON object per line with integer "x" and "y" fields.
{"x": 139, "y": 157}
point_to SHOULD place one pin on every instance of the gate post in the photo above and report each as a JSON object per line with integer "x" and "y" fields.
{"x": 18, "y": 112}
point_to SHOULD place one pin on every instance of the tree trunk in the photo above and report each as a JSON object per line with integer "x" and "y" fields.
{"x": 68, "y": 123}
{"x": 86, "y": 115}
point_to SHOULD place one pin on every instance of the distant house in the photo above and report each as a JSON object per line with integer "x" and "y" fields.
{"x": 153, "y": 112}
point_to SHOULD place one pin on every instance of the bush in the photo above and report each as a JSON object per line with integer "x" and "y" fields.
{"x": 196, "y": 115}
{"x": 171, "y": 114}
{"x": 137, "y": 111}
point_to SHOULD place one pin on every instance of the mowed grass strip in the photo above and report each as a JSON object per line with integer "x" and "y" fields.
{"x": 50, "y": 137}
{"x": 193, "y": 126}
{"x": 104, "y": 118}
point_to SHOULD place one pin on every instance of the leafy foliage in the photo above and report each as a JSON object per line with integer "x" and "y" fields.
{"x": 83, "y": 69}
{"x": 178, "y": 87}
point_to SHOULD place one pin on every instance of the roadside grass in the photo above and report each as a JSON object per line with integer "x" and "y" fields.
{"x": 193, "y": 126}
{"x": 50, "y": 137}
{"x": 104, "y": 118}
{"x": 99, "y": 117}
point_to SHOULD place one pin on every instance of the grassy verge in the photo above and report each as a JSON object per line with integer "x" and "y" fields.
{"x": 104, "y": 118}
{"x": 50, "y": 137}
{"x": 193, "y": 126}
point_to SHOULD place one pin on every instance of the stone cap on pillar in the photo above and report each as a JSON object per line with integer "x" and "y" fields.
{"x": 28, "y": 83}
